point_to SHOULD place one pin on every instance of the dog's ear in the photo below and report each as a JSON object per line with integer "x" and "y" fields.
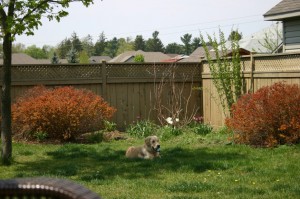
{"x": 148, "y": 141}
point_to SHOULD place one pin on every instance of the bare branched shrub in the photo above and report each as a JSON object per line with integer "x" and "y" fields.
{"x": 170, "y": 100}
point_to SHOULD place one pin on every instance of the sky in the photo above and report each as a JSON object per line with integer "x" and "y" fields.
{"x": 171, "y": 18}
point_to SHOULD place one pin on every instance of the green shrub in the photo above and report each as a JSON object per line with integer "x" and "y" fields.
{"x": 268, "y": 117}
{"x": 63, "y": 113}
{"x": 142, "y": 128}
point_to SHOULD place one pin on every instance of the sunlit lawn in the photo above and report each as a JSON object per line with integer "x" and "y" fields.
{"x": 191, "y": 166}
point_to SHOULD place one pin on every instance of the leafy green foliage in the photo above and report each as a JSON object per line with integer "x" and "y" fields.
{"x": 139, "y": 58}
{"x": 36, "y": 52}
{"x": 83, "y": 57}
{"x": 225, "y": 70}
{"x": 186, "y": 40}
{"x": 174, "y": 48}
{"x": 142, "y": 128}
{"x": 268, "y": 117}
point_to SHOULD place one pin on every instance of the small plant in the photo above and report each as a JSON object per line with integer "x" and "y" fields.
{"x": 41, "y": 136}
{"x": 142, "y": 128}
{"x": 199, "y": 127}
{"x": 203, "y": 129}
{"x": 109, "y": 126}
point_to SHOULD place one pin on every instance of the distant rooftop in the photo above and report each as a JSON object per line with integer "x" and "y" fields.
{"x": 284, "y": 9}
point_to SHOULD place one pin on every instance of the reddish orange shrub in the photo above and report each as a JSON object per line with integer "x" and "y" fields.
{"x": 269, "y": 117}
{"x": 62, "y": 113}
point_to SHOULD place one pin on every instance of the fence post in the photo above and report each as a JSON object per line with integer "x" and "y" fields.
{"x": 104, "y": 79}
{"x": 252, "y": 64}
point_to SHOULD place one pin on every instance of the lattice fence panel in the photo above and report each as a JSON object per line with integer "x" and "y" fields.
{"x": 55, "y": 72}
{"x": 278, "y": 63}
{"x": 153, "y": 70}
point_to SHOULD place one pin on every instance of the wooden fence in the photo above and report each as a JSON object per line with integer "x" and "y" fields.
{"x": 257, "y": 71}
{"x": 131, "y": 87}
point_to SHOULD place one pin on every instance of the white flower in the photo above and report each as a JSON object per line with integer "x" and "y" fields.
{"x": 170, "y": 120}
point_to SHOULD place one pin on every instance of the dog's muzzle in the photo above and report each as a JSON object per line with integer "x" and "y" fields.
{"x": 157, "y": 149}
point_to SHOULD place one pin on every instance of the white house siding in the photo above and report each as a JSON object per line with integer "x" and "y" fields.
{"x": 292, "y": 35}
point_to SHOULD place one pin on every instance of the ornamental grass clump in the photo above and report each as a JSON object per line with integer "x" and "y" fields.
{"x": 62, "y": 113}
{"x": 268, "y": 117}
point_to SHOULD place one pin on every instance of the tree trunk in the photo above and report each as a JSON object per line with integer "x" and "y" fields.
{"x": 6, "y": 132}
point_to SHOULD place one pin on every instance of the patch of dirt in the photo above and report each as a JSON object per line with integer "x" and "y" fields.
{"x": 113, "y": 135}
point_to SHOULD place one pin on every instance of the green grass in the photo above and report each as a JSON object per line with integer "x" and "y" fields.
{"x": 192, "y": 166}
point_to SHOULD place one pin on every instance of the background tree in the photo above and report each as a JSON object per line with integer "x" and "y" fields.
{"x": 235, "y": 35}
{"x": 17, "y": 48}
{"x": 174, "y": 48}
{"x": 139, "y": 43}
{"x": 154, "y": 44}
{"x": 76, "y": 43}
{"x": 100, "y": 45}
{"x": 112, "y": 47}
{"x": 72, "y": 56}
{"x": 83, "y": 57}
{"x": 21, "y": 17}
{"x": 125, "y": 45}
{"x": 48, "y": 50}
{"x": 36, "y": 52}
{"x": 54, "y": 59}
{"x": 196, "y": 43}
{"x": 88, "y": 45}
{"x": 272, "y": 39}
{"x": 186, "y": 40}
{"x": 63, "y": 48}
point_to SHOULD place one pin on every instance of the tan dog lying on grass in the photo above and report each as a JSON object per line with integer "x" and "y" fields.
{"x": 150, "y": 149}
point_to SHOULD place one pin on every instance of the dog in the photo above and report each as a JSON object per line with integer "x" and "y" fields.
{"x": 149, "y": 150}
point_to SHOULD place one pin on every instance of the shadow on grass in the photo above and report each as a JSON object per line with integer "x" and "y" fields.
{"x": 96, "y": 163}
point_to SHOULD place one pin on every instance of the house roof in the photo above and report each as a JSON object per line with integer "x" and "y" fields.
{"x": 99, "y": 59}
{"x": 148, "y": 56}
{"x": 284, "y": 9}
{"x": 21, "y": 58}
{"x": 175, "y": 59}
{"x": 255, "y": 41}
{"x": 197, "y": 55}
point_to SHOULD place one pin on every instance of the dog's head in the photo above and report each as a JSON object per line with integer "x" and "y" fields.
{"x": 153, "y": 143}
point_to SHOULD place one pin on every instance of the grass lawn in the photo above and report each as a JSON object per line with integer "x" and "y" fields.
{"x": 192, "y": 166}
